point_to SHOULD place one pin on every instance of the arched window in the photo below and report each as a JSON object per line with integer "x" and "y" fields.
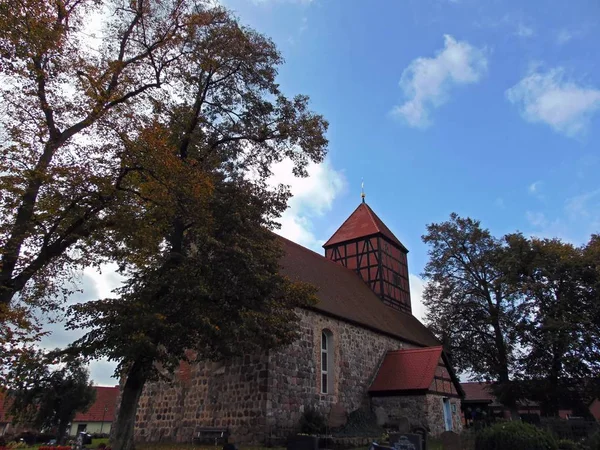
{"x": 327, "y": 368}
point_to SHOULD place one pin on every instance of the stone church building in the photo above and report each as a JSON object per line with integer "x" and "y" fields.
{"x": 360, "y": 347}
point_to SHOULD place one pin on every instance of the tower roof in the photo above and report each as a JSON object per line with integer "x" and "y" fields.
{"x": 362, "y": 222}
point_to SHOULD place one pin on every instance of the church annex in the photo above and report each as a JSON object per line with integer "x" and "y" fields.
{"x": 360, "y": 346}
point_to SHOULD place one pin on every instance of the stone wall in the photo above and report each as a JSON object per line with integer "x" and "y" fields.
{"x": 230, "y": 394}
{"x": 435, "y": 414}
{"x": 421, "y": 410}
{"x": 262, "y": 398}
{"x": 412, "y": 407}
{"x": 294, "y": 380}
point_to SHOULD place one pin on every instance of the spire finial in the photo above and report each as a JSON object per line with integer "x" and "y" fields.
{"x": 362, "y": 190}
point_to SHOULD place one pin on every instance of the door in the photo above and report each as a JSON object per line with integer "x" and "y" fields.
{"x": 447, "y": 414}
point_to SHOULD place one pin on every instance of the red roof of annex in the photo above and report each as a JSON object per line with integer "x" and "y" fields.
{"x": 407, "y": 370}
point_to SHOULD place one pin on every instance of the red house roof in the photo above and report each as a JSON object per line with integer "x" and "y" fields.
{"x": 407, "y": 370}
{"x": 478, "y": 392}
{"x": 343, "y": 294}
{"x": 103, "y": 409}
{"x": 362, "y": 222}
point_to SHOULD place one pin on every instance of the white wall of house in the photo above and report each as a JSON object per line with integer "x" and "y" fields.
{"x": 91, "y": 427}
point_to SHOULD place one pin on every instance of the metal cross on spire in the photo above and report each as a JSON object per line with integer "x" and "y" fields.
{"x": 362, "y": 190}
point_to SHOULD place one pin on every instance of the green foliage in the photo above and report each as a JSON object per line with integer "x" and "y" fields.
{"x": 593, "y": 442}
{"x": 566, "y": 444}
{"x": 514, "y": 435}
{"x": 194, "y": 232}
{"x": 48, "y": 398}
{"x": 312, "y": 421}
{"x": 516, "y": 305}
{"x": 471, "y": 306}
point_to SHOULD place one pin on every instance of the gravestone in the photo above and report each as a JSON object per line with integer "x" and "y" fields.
{"x": 381, "y": 415}
{"x": 406, "y": 441}
{"x": 337, "y": 416}
{"x": 451, "y": 441}
{"x": 421, "y": 431}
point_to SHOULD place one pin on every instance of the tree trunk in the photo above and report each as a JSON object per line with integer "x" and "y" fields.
{"x": 62, "y": 432}
{"x": 508, "y": 397}
{"x": 122, "y": 436}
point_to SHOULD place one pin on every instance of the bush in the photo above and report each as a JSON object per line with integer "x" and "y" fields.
{"x": 593, "y": 443}
{"x": 312, "y": 421}
{"x": 566, "y": 444}
{"x": 514, "y": 436}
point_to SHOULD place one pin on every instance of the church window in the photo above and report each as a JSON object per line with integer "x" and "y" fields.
{"x": 326, "y": 362}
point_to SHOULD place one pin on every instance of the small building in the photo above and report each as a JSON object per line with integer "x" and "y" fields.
{"x": 98, "y": 419}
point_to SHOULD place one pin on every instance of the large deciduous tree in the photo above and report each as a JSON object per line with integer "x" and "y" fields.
{"x": 195, "y": 234}
{"x": 66, "y": 89}
{"x": 47, "y": 398}
{"x": 471, "y": 307}
{"x": 559, "y": 328}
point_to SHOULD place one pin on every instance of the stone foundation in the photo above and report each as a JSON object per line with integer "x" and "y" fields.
{"x": 421, "y": 410}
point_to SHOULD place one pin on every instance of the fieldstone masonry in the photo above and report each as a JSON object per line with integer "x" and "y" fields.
{"x": 263, "y": 397}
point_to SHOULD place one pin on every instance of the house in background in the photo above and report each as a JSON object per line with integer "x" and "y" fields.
{"x": 99, "y": 418}
{"x": 479, "y": 402}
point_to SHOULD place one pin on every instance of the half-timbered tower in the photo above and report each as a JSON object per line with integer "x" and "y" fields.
{"x": 366, "y": 245}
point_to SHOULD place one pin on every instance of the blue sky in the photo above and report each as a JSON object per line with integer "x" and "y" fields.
{"x": 488, "y": 109}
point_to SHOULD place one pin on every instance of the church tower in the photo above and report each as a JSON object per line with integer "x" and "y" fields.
{"x": 364, "y": 244}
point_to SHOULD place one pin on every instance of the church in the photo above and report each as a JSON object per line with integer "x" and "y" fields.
{"x": 359, "y": 347}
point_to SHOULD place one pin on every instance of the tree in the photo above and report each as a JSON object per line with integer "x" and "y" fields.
{"x": 471, "y": 306}
{"x": 195, "y": 236}
{"x": 46, "y": 398}
{"x": 63, "y": 95}
{"x": 559, "y": 327}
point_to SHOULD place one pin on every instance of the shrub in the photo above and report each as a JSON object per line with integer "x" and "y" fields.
{"x": 566, "y": 444}
{"x": 312, "y": 421}
{"x": 593, "y": 443}
{"x": 513, "y": 436}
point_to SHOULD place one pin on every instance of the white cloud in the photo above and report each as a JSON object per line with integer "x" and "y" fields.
{"x": 417, "y": 285}
{"x": 563, "y": 37}
{"x": 585, "y": 207}
{"x": 579, "y": 218}
{"x": 537, "y": 219}
{"x": 552, "y": 99}
{"x": 427, "y": 81}
{"x": 524, "y": 31}
{"x": 534, "y": 188}
{"x": 312, "y": 197}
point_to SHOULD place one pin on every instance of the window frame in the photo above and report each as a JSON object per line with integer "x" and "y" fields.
{"x": 326, "y": 350}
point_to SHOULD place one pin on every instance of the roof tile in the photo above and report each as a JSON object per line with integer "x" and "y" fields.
{"x": 342, "y": 293}
{"x": 362, "y": 222}
{"x": 407, "y": 370}
{"x": 106, "y": 397}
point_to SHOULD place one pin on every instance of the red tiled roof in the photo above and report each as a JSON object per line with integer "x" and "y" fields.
{"x": 407, "y": 370}
{"x": 106, "y": 397}
{"x": 362, "y": 222}
{"x": 343, "y": 294}
{"x": 478, "y": 391}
